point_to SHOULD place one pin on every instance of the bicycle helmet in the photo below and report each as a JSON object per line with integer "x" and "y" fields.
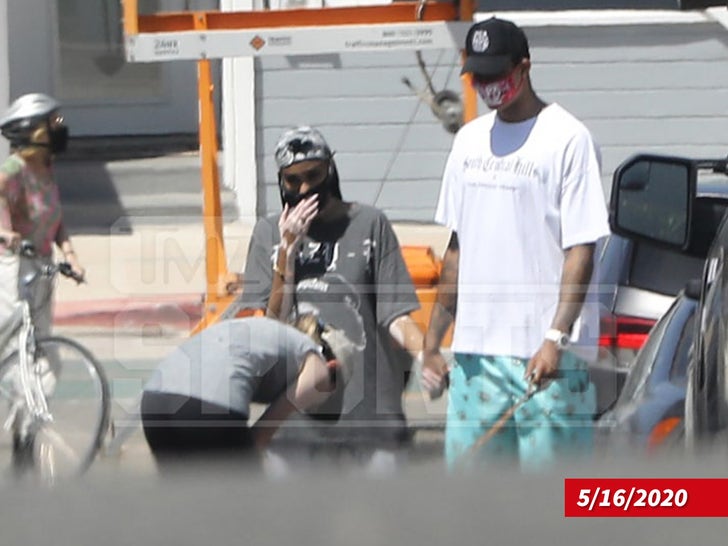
{"x": 24, "y": 115}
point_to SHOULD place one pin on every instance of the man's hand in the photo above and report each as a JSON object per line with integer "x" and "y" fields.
{"x": 544, "y": 364}
{"x": 294, "y": 223}
{"x": 434, "y": 374}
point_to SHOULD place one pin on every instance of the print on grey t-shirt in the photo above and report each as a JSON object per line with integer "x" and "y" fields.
{"x": 362, "y": 250}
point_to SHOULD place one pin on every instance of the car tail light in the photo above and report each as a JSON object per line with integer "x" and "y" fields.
{"x": 624, "y": 332}
{"x": 661, "y": 432}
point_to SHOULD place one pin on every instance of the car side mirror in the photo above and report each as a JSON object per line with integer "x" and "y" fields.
{"x": 652, "y": 199}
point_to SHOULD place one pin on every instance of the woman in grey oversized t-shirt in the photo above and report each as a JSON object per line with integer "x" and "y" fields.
{"x": 197, "y": 401}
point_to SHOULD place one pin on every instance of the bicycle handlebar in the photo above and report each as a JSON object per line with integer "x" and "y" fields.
{"x": 65, "y": 269}
{"x": 26, "y": 249}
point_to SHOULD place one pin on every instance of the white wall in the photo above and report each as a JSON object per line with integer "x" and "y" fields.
{"x": 238, "y": 125}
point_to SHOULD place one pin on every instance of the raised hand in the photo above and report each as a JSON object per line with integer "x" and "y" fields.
{"x": 294, "y": 223}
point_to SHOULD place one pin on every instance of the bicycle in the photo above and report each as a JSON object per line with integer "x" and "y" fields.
{"x": 54, "y": 395}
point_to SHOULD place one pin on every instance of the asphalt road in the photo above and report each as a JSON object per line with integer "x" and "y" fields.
{"x": 422, "y": 506}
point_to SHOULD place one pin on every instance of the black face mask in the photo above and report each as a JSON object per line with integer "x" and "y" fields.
{"x": 293, "y": 199}
{"x": 58, "y": 137}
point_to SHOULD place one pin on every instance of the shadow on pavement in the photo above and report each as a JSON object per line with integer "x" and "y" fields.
{"x": 91, "y": 203}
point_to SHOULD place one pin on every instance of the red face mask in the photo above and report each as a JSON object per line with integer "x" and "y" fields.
{"x": 498, "y": 93}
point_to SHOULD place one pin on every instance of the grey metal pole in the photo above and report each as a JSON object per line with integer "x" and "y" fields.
{"x": 4, "y": 71}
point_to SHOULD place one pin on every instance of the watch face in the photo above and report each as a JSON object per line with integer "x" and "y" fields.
{"x": 561, "y": 339}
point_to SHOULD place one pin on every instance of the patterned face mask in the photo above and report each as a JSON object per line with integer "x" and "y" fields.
{"x": 498, "y": 93}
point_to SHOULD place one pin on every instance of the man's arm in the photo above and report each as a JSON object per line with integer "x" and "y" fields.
{"x": 434, "y": 365}
{"x": 575, "y": 277}
{"x": 280, "y": 302}
{"x": 407, "y": 333}
{"x": 293, "y": 226}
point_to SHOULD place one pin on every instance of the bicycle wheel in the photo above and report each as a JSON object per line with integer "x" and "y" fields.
{"x": 77, "y": 393}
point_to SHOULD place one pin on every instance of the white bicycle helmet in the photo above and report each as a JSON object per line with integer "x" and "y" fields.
{"x": 24, "y": 115}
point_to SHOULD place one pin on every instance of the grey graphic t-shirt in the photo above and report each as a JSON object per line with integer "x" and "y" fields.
{"x": 352, "y": 274}
{"x": 235, "y": 362}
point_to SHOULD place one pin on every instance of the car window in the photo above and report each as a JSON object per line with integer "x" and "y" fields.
{"x": 613, "y": 258}
{"x": 666, "y": 271}
{"x": 661, "y": 270}
{"x": 707, "y": 217}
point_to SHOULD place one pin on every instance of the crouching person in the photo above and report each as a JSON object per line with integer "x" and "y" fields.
{"x": 196, "y": 404}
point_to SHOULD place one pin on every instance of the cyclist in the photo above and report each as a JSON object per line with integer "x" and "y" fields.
{"x": 197, "y": 401}
{"x": 30, "y": 206}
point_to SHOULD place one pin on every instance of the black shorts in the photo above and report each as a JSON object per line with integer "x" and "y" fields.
{"x": 177, "y": 426}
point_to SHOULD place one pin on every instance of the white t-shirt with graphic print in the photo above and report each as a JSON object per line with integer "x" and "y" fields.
{"x": 518, "y": 194}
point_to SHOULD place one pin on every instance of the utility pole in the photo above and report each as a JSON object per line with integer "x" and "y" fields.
{"x": 4, "y": 71}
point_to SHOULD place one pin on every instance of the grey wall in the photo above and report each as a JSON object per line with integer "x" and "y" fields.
{"x": 658, "y": 88}
{"x": 390, "y": 150}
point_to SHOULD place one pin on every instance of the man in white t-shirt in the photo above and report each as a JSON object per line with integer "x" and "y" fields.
{"x": 522, "y": 195}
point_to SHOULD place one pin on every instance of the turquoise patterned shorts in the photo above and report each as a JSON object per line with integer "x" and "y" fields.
{"x": 555, "y": 423}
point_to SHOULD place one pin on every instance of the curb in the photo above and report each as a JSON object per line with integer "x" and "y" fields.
{"x": 181, "y": 312}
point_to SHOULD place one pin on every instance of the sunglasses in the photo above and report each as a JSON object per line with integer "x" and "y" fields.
{"x": 55, "y": 120}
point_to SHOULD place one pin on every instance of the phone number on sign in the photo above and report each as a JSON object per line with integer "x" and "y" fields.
{"x": 645, "y": 497}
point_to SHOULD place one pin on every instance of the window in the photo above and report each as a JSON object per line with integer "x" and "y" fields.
{"x": 90, "y": 63}
{"x": 666, "y": 271}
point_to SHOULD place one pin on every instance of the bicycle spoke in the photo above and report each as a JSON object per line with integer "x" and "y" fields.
{"x": 58, "y": 441}
{"x": 67, "y": 380}
{"x": 46, "y": 462}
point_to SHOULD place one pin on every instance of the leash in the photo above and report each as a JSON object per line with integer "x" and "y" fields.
{"x": 502, "y": 420}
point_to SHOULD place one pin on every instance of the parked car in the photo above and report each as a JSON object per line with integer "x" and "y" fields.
{"x": 654, "y": 199}
{"x": 650, "y": 410}
{"x": 639, "y": 280}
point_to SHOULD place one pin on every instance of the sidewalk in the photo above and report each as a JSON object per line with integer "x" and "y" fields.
{"x": 153, "y": 275}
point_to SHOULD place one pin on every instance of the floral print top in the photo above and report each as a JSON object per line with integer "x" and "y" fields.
{"x": 34, "y": 203}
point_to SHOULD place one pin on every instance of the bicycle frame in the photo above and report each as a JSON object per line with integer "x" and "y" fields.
{"x": 42, "y": 441}
{"x": 20, "y": 324}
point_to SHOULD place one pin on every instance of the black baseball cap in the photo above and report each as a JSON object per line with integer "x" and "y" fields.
{"x": 493, "y": 46}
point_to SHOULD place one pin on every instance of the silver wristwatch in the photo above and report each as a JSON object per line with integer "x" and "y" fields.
{"x": 562, "y": 339}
